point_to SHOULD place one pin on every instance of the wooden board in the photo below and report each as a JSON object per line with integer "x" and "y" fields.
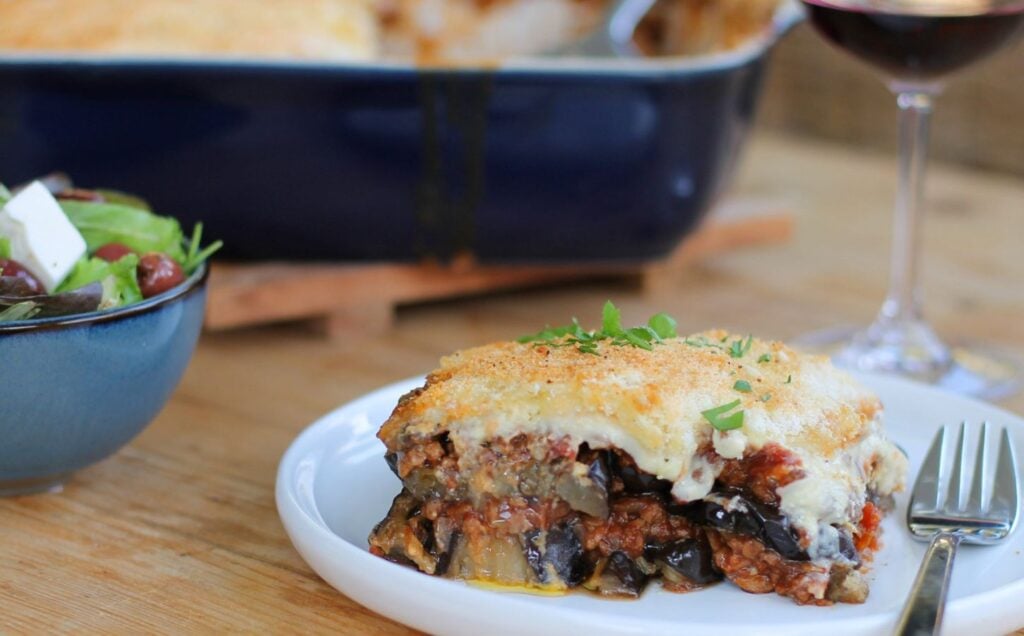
{"x": 356, "y": 298}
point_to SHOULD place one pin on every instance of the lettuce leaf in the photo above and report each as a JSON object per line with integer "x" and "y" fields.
{"x": 18, "y": 306}
{"x": 143, "y": 231}
{"x": 120, "y": 286}
{"x": 197, "y": 256}
{"x": 5, "y": 247}
{"x": 24, "y": 310}
{"x": 123, "y": 198}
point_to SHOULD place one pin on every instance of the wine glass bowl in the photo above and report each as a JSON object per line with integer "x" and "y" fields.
{"x": 917, "y": 44}
{"x": 917, "y": 40}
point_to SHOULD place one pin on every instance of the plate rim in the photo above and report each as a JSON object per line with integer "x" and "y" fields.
{"x": 980, "y": 606}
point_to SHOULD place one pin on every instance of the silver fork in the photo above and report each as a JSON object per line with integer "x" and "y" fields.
{"x": 941, "y": 516}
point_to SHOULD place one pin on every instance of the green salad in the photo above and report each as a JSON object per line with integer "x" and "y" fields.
{"x": 66, "y": 250}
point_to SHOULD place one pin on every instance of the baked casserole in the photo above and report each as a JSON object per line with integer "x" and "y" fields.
{"x": 586, "y": 460}
{"x": 427, "y": 31}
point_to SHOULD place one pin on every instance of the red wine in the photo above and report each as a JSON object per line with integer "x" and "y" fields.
{"x": 914, "y": 45}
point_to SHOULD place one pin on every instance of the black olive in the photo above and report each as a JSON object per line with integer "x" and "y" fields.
{"x": 692, "y": 558}
{"x": 392, "y": 461}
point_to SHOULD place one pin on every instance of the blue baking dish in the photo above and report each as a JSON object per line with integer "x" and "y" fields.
{"x": 550, "y": 160}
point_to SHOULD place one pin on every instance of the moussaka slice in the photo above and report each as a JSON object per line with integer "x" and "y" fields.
{"x": 605, "y": 459}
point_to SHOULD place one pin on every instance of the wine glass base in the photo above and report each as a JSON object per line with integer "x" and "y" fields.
{"x": 972, "y": 369}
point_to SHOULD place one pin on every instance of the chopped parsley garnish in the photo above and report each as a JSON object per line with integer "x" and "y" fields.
{"x": 702, "y": 341}
{"x": 611, "y": 318}
{"x": 722, "y": 422}
{"x": 657, "y": 329}
{"x": 789, "y": 380}
{"x": 742, "y": 386}
{"x": 663, "y": 325}
{"x": 766, "y": 397}
{"x": 740, "y": 347}
{"x": 766, "y": 357}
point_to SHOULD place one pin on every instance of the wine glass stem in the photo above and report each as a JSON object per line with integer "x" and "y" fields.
{"x": 903, "y": 303}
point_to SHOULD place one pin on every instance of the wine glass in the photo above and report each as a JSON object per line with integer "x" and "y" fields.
{"x": 917, "y": 44}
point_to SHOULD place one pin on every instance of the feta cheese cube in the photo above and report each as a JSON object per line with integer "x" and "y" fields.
{"x": 42, "y": 237}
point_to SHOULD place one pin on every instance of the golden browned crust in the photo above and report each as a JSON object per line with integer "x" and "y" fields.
{"x": 652, "y": 396}
{"x": 333, "y": 29}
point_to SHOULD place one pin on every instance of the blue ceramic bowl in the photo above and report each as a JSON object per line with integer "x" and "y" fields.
{"x": 76, "y": 389}
{"x": 537, "y": 160}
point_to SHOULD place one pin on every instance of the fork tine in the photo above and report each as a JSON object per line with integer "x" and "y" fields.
{"x": 1004, "y": 489}
{"x": 926, "y": 488}
{"x": 953, "y": 498}
{"x": 975, "y": 503}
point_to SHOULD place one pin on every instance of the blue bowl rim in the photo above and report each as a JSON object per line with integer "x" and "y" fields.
{"x": 192, "y": 284}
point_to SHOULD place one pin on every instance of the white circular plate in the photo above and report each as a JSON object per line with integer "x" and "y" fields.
{"x": 333, "y": 486}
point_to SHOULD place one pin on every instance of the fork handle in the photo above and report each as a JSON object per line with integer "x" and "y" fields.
{"x": 922, "y": 615}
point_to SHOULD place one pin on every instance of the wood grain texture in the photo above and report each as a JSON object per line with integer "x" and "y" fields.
{"x": 178, "y": 532}
{"x": 817, "y": 90}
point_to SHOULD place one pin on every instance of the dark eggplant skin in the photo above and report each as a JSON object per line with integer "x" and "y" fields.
{"x": 533, "y": 550}
{"x": 444, "y": 560}
{"x": 565, "y": 553}
{"x": 847, "y": 548}
{"x": 392, "y": 461}
{"x": 629, "y": 579}
{"x": 425, "y": 534}
{"x": 634, "y": 480}
{"x": 751, "y": 518}
{"x": 562, "y": 550}
{"x": 691, "y": 558}
{"x": 598, "y": 473}
{"x": 399, "y": 558}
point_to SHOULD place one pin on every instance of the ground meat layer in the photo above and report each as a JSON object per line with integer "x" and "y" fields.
{"x": 544, "y": 514}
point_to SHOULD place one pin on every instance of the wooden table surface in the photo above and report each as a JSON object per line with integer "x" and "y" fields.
{"x": 178, "y": 532}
